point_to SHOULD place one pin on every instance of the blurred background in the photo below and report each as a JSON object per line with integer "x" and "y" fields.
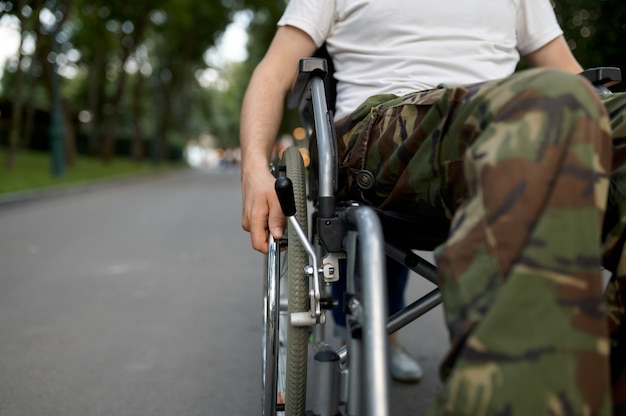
{"x": 144, "y": 296}
{"x": 144, "y": 83}
{"x": 124, "y": 84}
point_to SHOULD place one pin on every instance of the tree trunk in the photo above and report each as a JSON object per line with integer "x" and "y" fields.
{"x": 29, "y": 119}
{"x": 108, "y": 148}
{"x": 160, "y": 151}
{"x": 69, "y": 136}
{"x": 43, "y": 49}
{"x": 138, "y": 134}
{"x": 31, "y": 82}
{"x": 185, "y": 110}
{"x": 95, "y": 77}
{"x": 15, "y": 134}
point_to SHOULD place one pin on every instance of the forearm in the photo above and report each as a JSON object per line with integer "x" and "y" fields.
{"x": 263, "y": 104}
{"x": 261, "y": 114}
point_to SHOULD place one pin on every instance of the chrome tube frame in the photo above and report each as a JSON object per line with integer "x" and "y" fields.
{"x": 372, "y": 266}
{"x": 371, "y": 257}
{"x": 270, "y": 335}
{"x": 315, "y": 315}
{"x": 413, "y": 311}
{"x": 324, "y": 137}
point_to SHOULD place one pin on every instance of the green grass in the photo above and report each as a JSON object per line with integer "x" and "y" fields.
{"x": 33, "y": 170}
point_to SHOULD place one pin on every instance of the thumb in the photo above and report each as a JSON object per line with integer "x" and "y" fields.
{"x": 276, "y": 221}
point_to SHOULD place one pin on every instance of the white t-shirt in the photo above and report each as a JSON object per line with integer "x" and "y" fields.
{"x": 401, "y": 46}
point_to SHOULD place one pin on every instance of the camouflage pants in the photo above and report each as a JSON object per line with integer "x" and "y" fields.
{"x": 531, "y": 172}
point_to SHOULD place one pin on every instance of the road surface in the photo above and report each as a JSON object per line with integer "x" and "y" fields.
{"x": 145, "y": 298}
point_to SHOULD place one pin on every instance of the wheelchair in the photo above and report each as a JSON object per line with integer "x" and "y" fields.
{"x": 351, "y": 379}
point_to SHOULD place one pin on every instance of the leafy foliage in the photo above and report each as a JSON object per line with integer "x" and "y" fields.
{"x": 595, "y": 31}
{"x": 131, "y": 70}
{"x": 127, "y": 69}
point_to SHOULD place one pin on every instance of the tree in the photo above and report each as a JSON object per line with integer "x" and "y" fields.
{"x": 190, "y": 28}
{"x": 595, "y": 32}
{"x": 139, "y": 62}
{"x": 26, "y": 16}
{"x": 136, "y": 58}
{"x": 225, "y": 104}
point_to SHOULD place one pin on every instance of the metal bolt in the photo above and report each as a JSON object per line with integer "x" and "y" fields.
{"x": 365, "y": 179}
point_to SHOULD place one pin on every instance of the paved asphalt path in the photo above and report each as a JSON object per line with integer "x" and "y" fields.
{"x": 144, "y": 298}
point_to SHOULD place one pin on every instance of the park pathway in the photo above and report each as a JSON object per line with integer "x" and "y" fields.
{"x": 142, "y": 299}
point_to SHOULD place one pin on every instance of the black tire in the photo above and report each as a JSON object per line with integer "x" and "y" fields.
{"x": 298, "y": 287}
{"x": 285, "y": 347}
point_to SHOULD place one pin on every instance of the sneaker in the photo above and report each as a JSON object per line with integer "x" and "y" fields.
{"x": 404, "y": 368}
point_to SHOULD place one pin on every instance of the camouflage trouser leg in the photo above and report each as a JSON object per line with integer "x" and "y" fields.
{"x": 522, "y": 166}
{"x": 614, "y": 236}
{"x": 520, "y": 273}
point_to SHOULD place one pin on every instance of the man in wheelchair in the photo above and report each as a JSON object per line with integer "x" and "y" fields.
{"x": 528, "y": 166}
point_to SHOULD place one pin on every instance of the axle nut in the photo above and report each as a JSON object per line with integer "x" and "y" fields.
{"x": 365, "y": 179}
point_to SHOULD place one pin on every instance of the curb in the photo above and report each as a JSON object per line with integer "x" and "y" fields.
{"x": 22, "y": 197}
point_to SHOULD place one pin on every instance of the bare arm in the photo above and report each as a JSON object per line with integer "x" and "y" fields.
{"x": 261, "y": 114}
{"x": 555, "y": 54}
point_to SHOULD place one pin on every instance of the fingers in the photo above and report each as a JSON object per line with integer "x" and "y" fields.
{"x": 276, "y": 220}
{"x": 259, "y": 235}
{"x": 262, "y": 216}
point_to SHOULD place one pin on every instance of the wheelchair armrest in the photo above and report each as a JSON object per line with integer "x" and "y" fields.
{"x": 308, "y": 68}
{"x": 603, "y": 76}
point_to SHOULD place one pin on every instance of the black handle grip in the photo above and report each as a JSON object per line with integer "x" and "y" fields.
{"x": 284, "y": 191}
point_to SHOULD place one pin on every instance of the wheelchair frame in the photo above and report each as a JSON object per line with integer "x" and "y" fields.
{"x": 341, "y": 374}
{"x": 355, "y": 376}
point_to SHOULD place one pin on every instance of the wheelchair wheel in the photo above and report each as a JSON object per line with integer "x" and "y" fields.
{"x": 298, "y": 288}
{"x": 285, "y": 348}
{"x": 271, "y": 342}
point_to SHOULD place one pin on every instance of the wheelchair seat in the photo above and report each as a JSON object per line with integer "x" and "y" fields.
{"x": 419, "y": 232}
